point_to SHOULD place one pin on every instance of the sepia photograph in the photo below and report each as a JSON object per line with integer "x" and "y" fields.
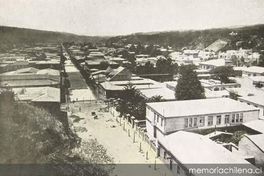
{"x": 131, "y": 87}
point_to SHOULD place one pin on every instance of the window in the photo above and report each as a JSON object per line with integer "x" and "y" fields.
{"x": 190, "y": 122}
{"x": 161, "y": 121}
{"x": 195, "y": 122}
{"x": 201, "y": 122}
{"x": 210, "y": 120}
{"x": 237, "y": 118}
{"x": 218, "y": 120}
{"x": 157, "y": 118}
{"x": 186, "y": 122}
{"x": 233, "y": 118}
{"x": 241, "y": 117}
{"x": 227, "y": 119}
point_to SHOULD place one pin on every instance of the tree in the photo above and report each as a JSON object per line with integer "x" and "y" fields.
{"x": 103, "y": 65}
{"x": 223, "y": 73}
{"x": 131, "y": 102}
{"x": 156, "y": 98}
{"x": 233, "y": 95}
{"x": 165, "y": 65}
{"x": 188, "y": 87}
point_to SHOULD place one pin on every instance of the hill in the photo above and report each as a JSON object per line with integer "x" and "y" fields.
{"x": 10, "y": 36}
{"x": 245, "y": 37}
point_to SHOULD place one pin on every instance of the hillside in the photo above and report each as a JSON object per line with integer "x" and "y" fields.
{"x": 10, "y": 36}
{"x": 245, "y": 37}
{"x": 31, "y": 135}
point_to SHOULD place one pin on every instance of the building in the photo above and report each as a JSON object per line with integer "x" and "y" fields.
{"x": 253, "y": 145}
{"x": 253, "y": 71}
{"x": 216, "y": 85}
{"x": 30, "y": 77}
{"x": 164, "y": 92}
{"x": 115, "y": 89}
{"x": 258, "y": 80}
{"x": 43, "y": 97}
{"x": 184, "y": 151}
{"x": 255, "y": 125}
{"x": 163, "y": 118}
{"x": 257, "y": 101}
{"x": 212, "y": 64}
{"x": 119, "y": 74}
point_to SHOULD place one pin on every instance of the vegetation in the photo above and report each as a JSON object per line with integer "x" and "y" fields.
{"x": 223, "y": 73}
{"x": 163, "y": 66}
{"x": 32, "y": 135}
{"x": 250, "y": 37}
{"x": 133, "y": 103}
{"x": 13, "y": 36}
{"x": 188, "y": 87}
{"x": 233, "y": 95}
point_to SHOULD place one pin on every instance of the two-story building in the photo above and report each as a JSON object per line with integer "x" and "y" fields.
{"x": 163, "y": 118}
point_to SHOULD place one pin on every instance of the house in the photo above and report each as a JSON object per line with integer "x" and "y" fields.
{"x": 163, "y": 118}
{"x": 258, "y": 80}
{"x": 216, "y": 85}
{"x": 119, "y": 74}
{"x": 115, "y": 89}
{"x": 212, "y": 64}
{"x": 185, "y": 152}
{"x": 253, "y": 71}
{"x": 253, "y": 145}
{"x": 30, "y": 77}
{"x": 44, "y": 97}
{"x": 164, "y": 92}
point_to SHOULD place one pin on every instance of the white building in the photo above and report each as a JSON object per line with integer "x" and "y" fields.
{"x": 163, "y": 118}
{"x": 186, "y": 151}
{"x": 212, "y": 64}
{"x": 252, "y": 71}
{"x": 257, "y": 101}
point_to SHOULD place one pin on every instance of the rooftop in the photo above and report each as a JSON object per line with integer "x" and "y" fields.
{"x": 166, "y": 93}
{"x": 254, "y": 69}
{"x": 29, "y": 70}
{"x": 28, "y": 83}
{"x": 214, "y": 62}
{"x": 38, "y": 94}
{"x": 257, "y": 140}
{"x": 197, "y": 149}
{"x": 257, "y": 125}
{"x": 202, "y": 107}
{"x": 259, "y": 100}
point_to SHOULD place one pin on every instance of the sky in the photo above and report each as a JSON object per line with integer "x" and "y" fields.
{"x": 120, "y": 17}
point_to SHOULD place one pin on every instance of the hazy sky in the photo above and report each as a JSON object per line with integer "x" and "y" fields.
{"x": 116, "y": 17}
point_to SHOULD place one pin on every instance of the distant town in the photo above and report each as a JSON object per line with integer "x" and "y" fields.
{"x": 164, "y": 108}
